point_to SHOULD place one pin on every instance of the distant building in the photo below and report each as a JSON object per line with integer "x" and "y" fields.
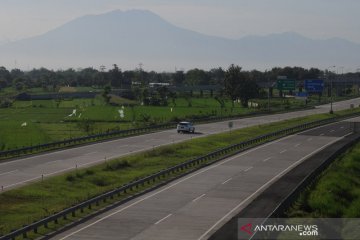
{"x": 161, "y": 84}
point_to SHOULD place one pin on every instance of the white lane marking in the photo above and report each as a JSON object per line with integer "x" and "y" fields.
{"x": 70, "y": 168}
{"x": 297, "y": 144}
{"x": 267, "y": 159}
{"x": 199, "y": 197}
{"x": 120, "y": 155}
{"x": 266, "y": 185}
{"x": 171, "y": 186}
{"x": 32, "y": 179}
{"x": 342, "y": 127}
{"x": 91, "y": 145}
{"x": 248, "y": 169}
{"x": 322, "y": 134}
{"x": 309, "y": 139}
{"x": 5, "y": 173}
{"x": 332, "y": 130}
{"x": 29, "y": 180}
{"x": 163, "y": 219}
{"x": 52, "y": 162}
{"x": 227, "y": 181}
{"x": 283, "y": 151}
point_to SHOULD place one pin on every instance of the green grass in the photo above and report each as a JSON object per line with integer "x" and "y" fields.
{"x": 49, "y": 120}
{"x": 336, "y": 194}
{"x": 37, "y": 200}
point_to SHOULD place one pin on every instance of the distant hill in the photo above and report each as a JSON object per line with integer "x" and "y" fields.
{"x": 132, "y": 37}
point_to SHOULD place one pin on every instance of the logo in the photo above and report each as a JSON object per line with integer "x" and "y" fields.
{"x": 247, "y": 228}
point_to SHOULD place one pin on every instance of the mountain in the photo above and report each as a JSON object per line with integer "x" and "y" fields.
{"x": 128, "y": 38}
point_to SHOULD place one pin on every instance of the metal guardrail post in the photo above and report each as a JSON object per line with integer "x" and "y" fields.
{"x": 175, "y": 169}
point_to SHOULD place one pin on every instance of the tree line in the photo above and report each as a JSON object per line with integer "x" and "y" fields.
{"x": 234, "y": 82}
{"x": 116, "y": 78}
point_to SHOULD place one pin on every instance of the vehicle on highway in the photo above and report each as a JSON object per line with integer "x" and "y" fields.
{"x": 185, "y": 127}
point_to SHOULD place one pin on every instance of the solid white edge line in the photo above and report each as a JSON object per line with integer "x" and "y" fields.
{"x": 5, "y": 173}
{"x": 109, "y": 158}
{"x": 172, "y": 185}
{"x": 267, "y": 184}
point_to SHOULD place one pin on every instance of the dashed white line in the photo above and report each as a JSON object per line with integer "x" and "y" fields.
{"x": 283, "y": 151}
{"x": 227, "y": 181}
{"x": 172, "y": 185}
{"x": 248, "y": 169}
{"x": 342, "y": 127}
{"x": 52, "y": 162}
{"x": 309, "y": 139}
{"x": 5, "y": 173}
{"x": 322, "y": 134}
{"x": 264, "y": 186}
{"x": 199, "y": 197}
{"x": 267, "y": 159}
{"x": 163, "y": 219}
{"x": 297, "y": 144}
{"x": 332, "y": 130}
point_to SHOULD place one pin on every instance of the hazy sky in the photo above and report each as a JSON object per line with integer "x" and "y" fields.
{"x": 228, "y": 18}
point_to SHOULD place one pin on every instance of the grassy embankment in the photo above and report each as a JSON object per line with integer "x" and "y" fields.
{"x": 336, "y": 193}
{"x": 37, "y": 200}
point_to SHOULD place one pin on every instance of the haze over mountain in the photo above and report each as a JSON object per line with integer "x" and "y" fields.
{"x": 132, "y": 37}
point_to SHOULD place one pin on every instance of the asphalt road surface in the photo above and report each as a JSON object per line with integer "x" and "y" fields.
{"x": 195, "y": 206}
{"x": 18, "y": 172}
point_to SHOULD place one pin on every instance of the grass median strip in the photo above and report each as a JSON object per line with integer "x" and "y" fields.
{"x": 40, "y": 199}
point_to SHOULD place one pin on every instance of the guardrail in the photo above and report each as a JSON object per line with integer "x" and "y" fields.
{"x": 111, "y": 135}
{"x": 81, "y": 140}
{"x": 193, "y": 163}
{"x": 309, "y": 179}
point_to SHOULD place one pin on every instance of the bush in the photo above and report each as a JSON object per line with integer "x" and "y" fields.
{"x": 70, "y": 178}
{"x": 117, "y": 165}
{"x": 101, "y": 181}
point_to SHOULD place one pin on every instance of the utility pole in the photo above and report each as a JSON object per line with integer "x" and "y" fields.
{"x": 331, "y": 91}
{"x": 357, "y": 80}
{"x": 269, "y": 85}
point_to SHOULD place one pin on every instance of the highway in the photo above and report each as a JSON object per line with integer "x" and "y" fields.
{"x": 18, "y": 172}
{"x": 195, "y": 206}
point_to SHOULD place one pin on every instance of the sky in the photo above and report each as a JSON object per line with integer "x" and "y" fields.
{"x": 318, "y": 19}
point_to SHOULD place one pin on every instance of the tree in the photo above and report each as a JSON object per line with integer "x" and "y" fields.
{"x": 173, "y": 97}
{"x": 239, "y": 86}
{"x": 217, "y": 76}
{"x": 196, "y": 77}
{"x": 163, "y": 93}
{"x": 106, "y": 95}
{"x": 179, "y": 78}
{"x": 5, "y": 77}
{"x": 116, "y": 77}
